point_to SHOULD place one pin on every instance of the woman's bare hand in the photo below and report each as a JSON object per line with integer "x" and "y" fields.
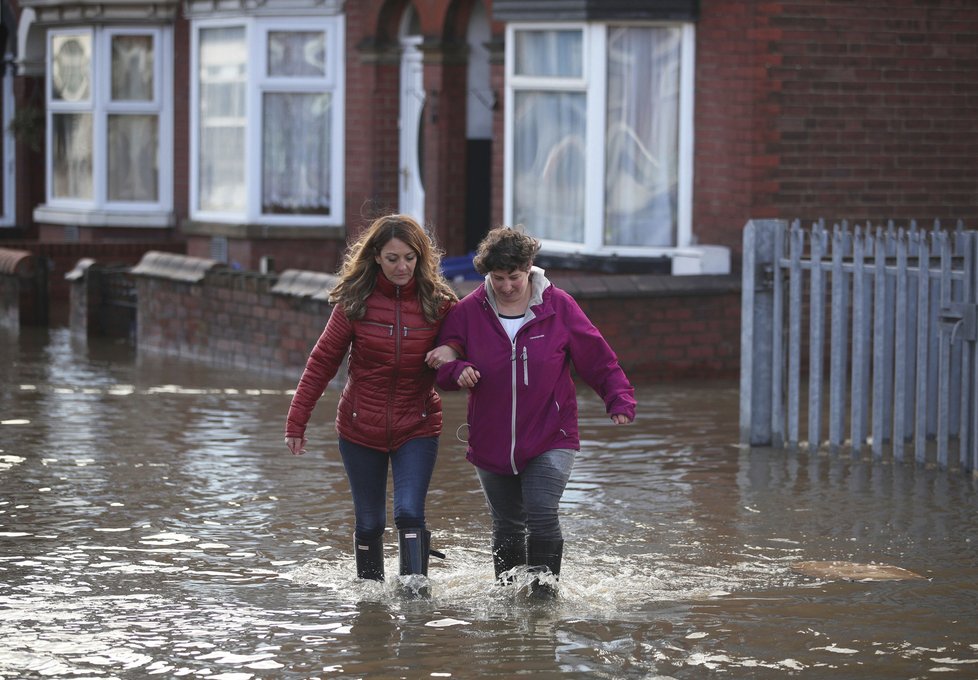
{"x": 297, "y": 445}
{"x": 440, "y": 355}
{"x": 468, "y": 377}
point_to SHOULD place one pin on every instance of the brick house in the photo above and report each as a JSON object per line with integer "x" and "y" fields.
{"x": 618, "y": 131}
{"x": 630, "y": 136}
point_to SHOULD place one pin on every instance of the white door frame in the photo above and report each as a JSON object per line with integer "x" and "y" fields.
{"x": 410, "y": 182}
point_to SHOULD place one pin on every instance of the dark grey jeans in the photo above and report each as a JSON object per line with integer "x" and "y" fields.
{"x": 528, "y": 502}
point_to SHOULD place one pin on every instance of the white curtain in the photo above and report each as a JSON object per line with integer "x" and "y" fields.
{"x": 549, "y": 164}
{"x": 642, "y": 137}
{"x": 132, "y": 68}
{"x": 133, "y": 168}
{"x": 222, "y": 119}
{"x": 549, "y": 53}
{"x": 72, "y": 155}
{"x": 295, "y": 154}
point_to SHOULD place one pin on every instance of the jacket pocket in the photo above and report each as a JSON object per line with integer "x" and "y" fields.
{"x": 418, "y": 330}
{"x": 377, "y": 330}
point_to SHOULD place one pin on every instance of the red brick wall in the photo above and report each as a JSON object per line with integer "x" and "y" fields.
{"x": 62, "y": 257}
{"x": 372, "y": 104}
{"x": 660, "y": 330}
{"x": 858, "y": 110}
{"x": 672, "y": 337}
{"x": 230, "y": 319}
{"x": 446, "y": 154}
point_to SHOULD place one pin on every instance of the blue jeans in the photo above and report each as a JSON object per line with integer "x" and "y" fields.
{"x": 527, "y": 502}
{"x": 412, "y": 465}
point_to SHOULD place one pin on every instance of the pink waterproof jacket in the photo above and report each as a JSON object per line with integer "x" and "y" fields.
{"x": 525, "y": 402}
{"x": 389, "y": 396}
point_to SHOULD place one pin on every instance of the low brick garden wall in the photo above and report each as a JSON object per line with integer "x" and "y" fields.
{"x": 22, "y": 281}
{"x": 662, "y": 327}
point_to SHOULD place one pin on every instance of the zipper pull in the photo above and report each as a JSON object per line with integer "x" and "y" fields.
{"x": 512, "y": 356}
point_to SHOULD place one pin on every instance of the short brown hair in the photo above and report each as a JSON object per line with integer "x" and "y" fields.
{"x": 506, "y": 249}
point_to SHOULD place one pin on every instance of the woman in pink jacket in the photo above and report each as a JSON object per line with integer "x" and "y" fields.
{"x": 519, "y": 334}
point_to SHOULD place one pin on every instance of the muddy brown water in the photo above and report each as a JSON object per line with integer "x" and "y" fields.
{"x": 152, "y": 523}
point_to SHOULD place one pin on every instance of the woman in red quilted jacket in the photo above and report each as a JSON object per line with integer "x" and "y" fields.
{"x": 388, "y": 308}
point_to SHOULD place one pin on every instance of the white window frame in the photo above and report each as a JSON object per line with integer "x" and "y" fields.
{"x": 7, "y": 215}
{"x": 256, "y": 30}
{"x": 594, "y": 84}
{"x": 100, "y": 209}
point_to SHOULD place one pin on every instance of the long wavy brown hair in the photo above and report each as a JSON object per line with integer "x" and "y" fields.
{"x": 359, "y": 272}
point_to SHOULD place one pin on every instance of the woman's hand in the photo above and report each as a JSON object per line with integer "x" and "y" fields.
{"x": 297, "y": 445}
{"x": 440, "y": 355}
{"x": 468, "y": 377}
{"x": 620, "y": 419}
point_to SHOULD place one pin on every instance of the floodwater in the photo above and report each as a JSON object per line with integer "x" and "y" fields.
{"x": 152, "y": 523}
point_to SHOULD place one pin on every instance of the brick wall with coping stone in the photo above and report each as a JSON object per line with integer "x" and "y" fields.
{"x": 61, "y": 258}
{"x": 663, "y": 328}
{"x": 19, "y": 289}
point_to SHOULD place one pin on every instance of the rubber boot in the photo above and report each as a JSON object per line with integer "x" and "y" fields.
{"x": 413, "y": 546}
{"x": 543, "y": 557}
{"x": 370, "y": 558}
{"x": 508, "y": 552}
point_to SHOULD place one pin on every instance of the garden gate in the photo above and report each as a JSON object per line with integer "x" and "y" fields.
{"x": 890, "y": 339}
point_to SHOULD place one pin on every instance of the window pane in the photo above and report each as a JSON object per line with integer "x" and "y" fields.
{"x": 71, "y": 63}
{"x": 295, "y": 162}
{"x": 133, "y": 170}
{"x": 555, "y": 54}
{"x": 222, "y": 119}
{"x": 300, "y": 53}
{"x": 71, "y": 137}
{"x": 549, "y": 164}
{"x": 642, "y": 139}
{"x": 132, "y": 68}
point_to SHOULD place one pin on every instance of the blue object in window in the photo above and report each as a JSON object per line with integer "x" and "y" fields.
{"x": 460, "y": 268}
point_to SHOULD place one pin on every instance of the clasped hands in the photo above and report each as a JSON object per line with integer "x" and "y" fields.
{"x": 444, "y": 354}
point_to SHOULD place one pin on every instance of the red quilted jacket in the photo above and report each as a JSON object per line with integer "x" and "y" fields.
{"x": 389, "y": 395}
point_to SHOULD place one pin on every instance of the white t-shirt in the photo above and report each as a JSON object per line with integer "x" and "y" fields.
{"x": 512, "y": 324}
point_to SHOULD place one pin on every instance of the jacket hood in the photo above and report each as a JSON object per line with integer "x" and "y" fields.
{"x": 538, "y": 283}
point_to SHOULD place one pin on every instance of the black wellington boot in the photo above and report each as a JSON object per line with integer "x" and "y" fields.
{"x": 543, "y": 557}
{"x": 413, "y": 546}
{"x": 370, "y": 558}
{"x": 508, "y": 552}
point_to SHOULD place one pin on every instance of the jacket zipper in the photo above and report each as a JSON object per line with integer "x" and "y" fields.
{"x": 513, "y": 381}
{"x": 397, "y": 365}
{"x": 512, "y": 437}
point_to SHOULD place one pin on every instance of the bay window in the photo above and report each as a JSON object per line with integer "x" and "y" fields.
{"x": 268, "y": 124}
{"x": 599, "y": 136}
{"x": 107, "y": 126}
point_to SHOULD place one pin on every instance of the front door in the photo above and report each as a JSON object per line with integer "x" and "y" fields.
{"x": 411, "y": 167}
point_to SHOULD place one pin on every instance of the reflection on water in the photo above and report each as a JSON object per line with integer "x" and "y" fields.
{"x": 153, "y": 523}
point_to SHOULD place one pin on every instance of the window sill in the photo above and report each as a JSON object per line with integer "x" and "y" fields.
{"x": 260, "y": 231}
{"x": 136, "y": 219}
{"x": 689, "y": 260}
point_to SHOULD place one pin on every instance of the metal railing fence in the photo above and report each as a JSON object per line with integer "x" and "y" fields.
{"x": 878, "y": 323}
